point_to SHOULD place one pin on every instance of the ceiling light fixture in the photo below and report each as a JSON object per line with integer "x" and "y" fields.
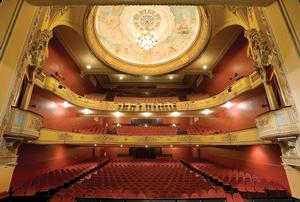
{"x": 174, "y": 125}
{"x": 171, "y": 77}
{"x": 171, "y": 145}
{"x": 146, "y": 114}
{"x": 88, "y": 66}
{"x": 146, "y": 146}
{"x": 146, "y": 77}
{"x": 204, "y": 66}
{"x": 121, "y": 145}
{"x": 121, "y": 77}
{"x": 117, "y": 114}
{"x": 65, "y": 104}
{"x": 228, "y": 105}
{"x": 86, "y": 111}
{"x": 175, "y": 114}
{"x": 146, "y": 40}
{"x": 206, "y": 111}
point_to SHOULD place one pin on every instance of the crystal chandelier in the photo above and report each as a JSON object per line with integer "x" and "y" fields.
{"x": 146, "y": 40}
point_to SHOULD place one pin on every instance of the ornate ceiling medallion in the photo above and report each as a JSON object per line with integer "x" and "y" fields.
{"x": 147, "y": 40}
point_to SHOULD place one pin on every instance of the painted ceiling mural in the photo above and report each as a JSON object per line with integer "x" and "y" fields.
{"x": 147, "y": 40}
{"x": 170, "y": 30}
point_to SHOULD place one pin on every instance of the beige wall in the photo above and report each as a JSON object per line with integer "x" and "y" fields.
{"x": 284, "y": 34}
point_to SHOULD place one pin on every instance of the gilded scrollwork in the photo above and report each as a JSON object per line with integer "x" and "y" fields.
{"x": 37, "y": 53}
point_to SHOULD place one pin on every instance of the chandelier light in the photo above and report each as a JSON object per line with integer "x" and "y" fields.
{"x": 147, "y": 40}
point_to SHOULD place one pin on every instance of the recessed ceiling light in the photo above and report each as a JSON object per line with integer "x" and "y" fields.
{"x": 228, "y": 105}
{"x": 146, "y": 77}
{"x": 146, "y": 114}
{"x": 52, "y": 105}
{"x": 146, "y": 146}
{"x": 121, "y": 77}
{"x": 171, "y": 77}
{"x": 204, "y": 66}
{"x": 206, "y": 111}
{"x": 88, "y": 66}
{"x": 175, "y": 114}
{"x": 86, "y": 111}
{"x": 117, "y": 114}
{"x": 66, "y": 104}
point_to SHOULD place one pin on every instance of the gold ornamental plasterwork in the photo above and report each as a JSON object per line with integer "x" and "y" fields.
{"x": 121, "y": 65}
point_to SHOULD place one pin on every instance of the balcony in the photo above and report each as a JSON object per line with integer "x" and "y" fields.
{"x": 276, "y": 124}
{"x": 243, "y": 137}
{"x": 23, "y": 125}
{"x": 241, "y": 86}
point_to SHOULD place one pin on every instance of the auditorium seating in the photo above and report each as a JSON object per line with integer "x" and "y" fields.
{"x": 196, "y": 96}
{"x": 196, "y": 129}
{"x": 52, "y": 179}
{"x": 150, "y": 130}
{"x": 95, "y": 96}
{"x": 139, "y": 179}
{"x": 245, "y": 183}
{"x": 147, "y": 99}
{"x": 95, "y": 129}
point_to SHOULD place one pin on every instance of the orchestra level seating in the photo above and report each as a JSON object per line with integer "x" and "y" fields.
{"x": 52, "y": 179}
{"x": 249, "y": 185}
{"x": 141, "y": 179}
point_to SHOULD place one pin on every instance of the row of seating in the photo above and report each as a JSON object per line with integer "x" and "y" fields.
{"x": 52, "y": 179}
{"x": 150, "y": 130}
{"x": 197, "y": 128}
{"x": 142, "y": 179}
{"x": 170, "y": 99}
{"x": 96, "y": 129}
{"x": 95, "y": 96}
{"x": 247, "y": 184}
{"x": 196, "y": 96}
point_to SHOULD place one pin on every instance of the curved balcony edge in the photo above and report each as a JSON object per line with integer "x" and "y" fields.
{"x": 281, "y": 123}
{"x": 242, "y": 85}
{"x": 23, "y": 124}
{"x": 243, "y": 137}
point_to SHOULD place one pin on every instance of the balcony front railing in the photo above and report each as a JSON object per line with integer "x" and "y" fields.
{"x": 242, "y": 85}
{"x": 277, "y": 124}
{"x": 243, "y": 137}
{"x": 23, "y": 124}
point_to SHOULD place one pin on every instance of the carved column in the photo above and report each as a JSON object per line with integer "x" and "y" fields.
{"x": 8, "y": 159}
{"x": 261, "y": 53}
{"x": 36, "y": 56}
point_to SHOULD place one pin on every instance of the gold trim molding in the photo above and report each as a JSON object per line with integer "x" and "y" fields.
{"x": 243, "y": 137}
{"x": 138, "y": 69}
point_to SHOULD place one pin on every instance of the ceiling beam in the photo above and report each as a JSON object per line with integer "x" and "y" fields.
{"x": 152, "y": 2}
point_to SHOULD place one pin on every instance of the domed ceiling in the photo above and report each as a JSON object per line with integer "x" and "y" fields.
{"x": 147, "y": 40}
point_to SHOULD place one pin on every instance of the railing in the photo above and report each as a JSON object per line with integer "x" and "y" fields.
{"x": 243, "y": 137}
{"x": 242, "y": 85}
{"x": 23, "y": 124}
{"x": 291, "y": 160}
{"x": 277, "y": 124}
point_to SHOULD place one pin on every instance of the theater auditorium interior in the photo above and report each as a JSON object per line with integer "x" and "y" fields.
{"x": 150, "y": 100}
